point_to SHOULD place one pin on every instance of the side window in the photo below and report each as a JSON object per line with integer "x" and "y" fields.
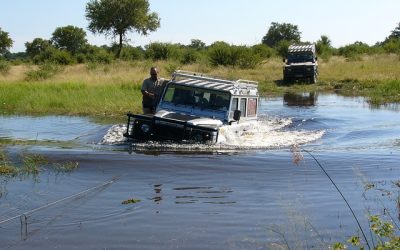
{"x": 242, "y": 106}
{"x": 234, "y": 106}
{"x": 169, "y": 94}
{"x": 252, "y": 107}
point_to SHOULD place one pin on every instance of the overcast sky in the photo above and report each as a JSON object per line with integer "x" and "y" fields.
{"x": 240, "y": 22}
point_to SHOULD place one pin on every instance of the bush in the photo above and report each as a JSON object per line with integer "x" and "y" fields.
{"x": 100, "y": 56}
{"x": 62, "y": 57}
{"x": 392, "y": 46}
{"x": 44, "y": 72}
{"x": 163, "y": 51}
{"x": 132, "y": 53}
{"x": 223, "y": 54}
{"x": 220, "y": 54}
{"x": 4, "y": 67}
{"x": 190, "y": 56}
{"x": 263, "y": 51}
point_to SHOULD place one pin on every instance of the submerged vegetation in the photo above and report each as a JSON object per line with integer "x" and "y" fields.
{"x": 32, "y": 164}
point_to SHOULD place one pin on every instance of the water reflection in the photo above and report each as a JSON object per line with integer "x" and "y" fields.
{"x": 158, "y": 193}
{"x": 187, "y": 195}
{"x": 300, "y": 99}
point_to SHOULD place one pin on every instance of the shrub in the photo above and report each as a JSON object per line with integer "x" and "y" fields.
{"x": 4, "y": 67}
{"x": 223, "y": 54}
{"x": 163, "y": 51}
{"x": 220, "y": 54}
{"x": 190, "y": 56}
{"x": 44, "y": 72}
{"x": 132, "y": 53}
{"x": 62, "y": 57}
{"x": 263, "y": 51}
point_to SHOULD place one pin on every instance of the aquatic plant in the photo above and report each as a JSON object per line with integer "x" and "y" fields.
{"x": 130, "y": 201}
{"x": 381, "y": 232}
{"x": 297, "y": 157}
{"x": 7, "y": 170}
{"x": 65, "y": 167}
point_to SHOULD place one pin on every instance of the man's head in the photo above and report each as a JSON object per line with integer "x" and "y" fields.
{"x": 154, "y": 73}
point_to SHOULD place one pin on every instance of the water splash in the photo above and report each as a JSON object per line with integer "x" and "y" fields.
{"x": 268, "y": 133}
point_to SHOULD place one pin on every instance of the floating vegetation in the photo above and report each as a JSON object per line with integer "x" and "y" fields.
{"x": 7, "y": 170}
{"x": 35, "y": 159}
{"x": 65, "y": 167}
{"x": 130, "y": 201}
{"x": 32, "y": 164}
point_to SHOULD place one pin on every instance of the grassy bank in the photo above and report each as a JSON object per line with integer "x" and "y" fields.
{"x": 112, "y": 90}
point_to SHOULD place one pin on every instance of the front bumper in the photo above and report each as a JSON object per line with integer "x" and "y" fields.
{"x": 145, "y": 128}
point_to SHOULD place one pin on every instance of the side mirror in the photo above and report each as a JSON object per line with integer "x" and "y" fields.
{"x": 236, "y": 115}
{"x": 283, "y": 59}
{"x": 316, "y": 58}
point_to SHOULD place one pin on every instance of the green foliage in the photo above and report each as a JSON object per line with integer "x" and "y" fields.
{"x": 54, "y": 56}
{"x": 190, "y": 56}
{"x": 117, "y": 18}
{"x": 392, "y": 46}
{"x": 69, "y": 38}
{"x": 44, "y": 72}
{"x": 96, "y": 54}
{"x": 62, "y": 57}
{"x": 282, "y": 48}
{"x": 221, "y": 53}
{"x": 163, "y": 51}
{"x": 132, "y": 53}
{"x": 4, "y": 67}
{"x": 395, "y": 33}
{"x": 278, "y": 32}
{"x": 197, "y": 44}
{"x": 324, "y": 47}
{"x": 355, "y": 50}
{"x": 65, "y": 167}
{"x": 36, "y": 47}
{"x": 382, "y": 232}
{"x": 263, "y": 51}
{"x": 5, "y": 42}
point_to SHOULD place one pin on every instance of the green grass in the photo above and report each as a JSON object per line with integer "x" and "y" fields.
{"x": 109, "y": 91}
{"x": 69, "y": 98}
{"x": 32, "y": 164}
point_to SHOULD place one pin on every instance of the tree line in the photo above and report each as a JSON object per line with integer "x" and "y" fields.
{"x": 116, "y": 19}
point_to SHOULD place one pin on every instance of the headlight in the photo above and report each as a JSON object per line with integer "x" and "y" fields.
{"x": 309, "y": 69}
{"x": 145, "y": 128}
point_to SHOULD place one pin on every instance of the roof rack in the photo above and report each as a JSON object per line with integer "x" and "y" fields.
{"x": 201, "y": 76}
{"x": 301, "y": 48}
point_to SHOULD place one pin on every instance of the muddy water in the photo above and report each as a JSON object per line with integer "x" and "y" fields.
{"x": 235, "y": 195}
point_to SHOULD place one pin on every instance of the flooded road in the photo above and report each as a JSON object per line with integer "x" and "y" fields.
{"x": 244, "y": 193}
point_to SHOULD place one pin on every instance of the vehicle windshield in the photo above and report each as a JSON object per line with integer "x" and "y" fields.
{"x": 197, "y": 98}
{"x": 300, "y": 57}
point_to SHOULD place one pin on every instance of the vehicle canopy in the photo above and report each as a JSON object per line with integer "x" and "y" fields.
{"x": 301, "y": 53}
{"x": 205, "y": 96}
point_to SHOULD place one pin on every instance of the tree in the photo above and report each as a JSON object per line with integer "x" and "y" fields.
{"x": 118, "y": 17}
{"x": 37, "y": 46}
{"x": 5, "y": 42}
{"x": 197, "y": 44}
{"x": 278, "y": 32}
{"x": 395, "y": 33}
{"x": 324, "y": 46}
{"x": 69, "y": 38}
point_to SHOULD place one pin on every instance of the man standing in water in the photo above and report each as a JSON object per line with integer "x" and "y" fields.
{"x": 152, "y": 89}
